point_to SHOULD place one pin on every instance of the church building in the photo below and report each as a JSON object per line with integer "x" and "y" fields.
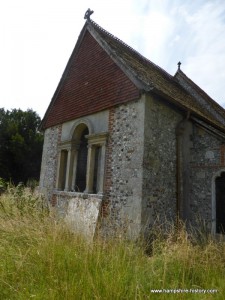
{"x": 127, "y": 145}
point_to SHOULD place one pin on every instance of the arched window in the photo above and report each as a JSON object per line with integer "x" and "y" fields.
{"x": 81, "y": 161}
{"x": 81, "y": 172}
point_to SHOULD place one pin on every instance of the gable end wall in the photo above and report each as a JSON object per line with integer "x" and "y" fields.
{"x": 93, "y": 83}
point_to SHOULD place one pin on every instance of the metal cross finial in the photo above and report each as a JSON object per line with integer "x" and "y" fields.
{"x": 88, "y": 14}
{"x": 179, "y": 63}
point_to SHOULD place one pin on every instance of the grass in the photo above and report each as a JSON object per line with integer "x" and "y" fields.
{"x": 41, "y": 259}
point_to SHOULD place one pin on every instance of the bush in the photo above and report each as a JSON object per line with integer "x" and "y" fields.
{"x": 3, "y": 185}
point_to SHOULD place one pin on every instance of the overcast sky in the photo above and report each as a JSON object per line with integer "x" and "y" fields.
{"x": 38, "y": 36}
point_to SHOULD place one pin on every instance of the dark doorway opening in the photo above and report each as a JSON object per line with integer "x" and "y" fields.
{"x": 220, "y": 204}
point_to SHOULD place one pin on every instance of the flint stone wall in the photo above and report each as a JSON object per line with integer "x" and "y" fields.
{"x": 49, "y": 161}
{"x": 207, "y": 159}
{"x": 159, "y": 166}
{"x": 140, "y": 183}
{"x": 126, "y": 168}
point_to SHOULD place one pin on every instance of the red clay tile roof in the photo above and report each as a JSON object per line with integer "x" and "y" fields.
{"x": 92, "y": 82}
{"x": 149, "y": 77}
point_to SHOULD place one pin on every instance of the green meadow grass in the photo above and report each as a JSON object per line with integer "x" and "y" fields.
{"x": 41, "y": 259}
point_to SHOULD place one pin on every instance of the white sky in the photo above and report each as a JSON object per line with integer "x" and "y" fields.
{"x": 38, "y": 36}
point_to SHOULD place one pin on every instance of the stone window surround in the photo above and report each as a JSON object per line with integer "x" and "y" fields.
{"x": 217, "y": 174}
{"x": 72, "y": 147}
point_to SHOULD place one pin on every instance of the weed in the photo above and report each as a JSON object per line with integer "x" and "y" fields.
{"x": 41, "y": 258}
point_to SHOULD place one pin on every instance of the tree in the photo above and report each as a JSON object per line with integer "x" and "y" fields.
{"x": 20, "y": 145}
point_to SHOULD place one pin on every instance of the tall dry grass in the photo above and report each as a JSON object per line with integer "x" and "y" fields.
{"x": 41, "y": 259}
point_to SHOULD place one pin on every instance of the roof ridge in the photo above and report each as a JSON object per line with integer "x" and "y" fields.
{"x": 146, "y": 75}
{"x": 198, "y": 88}
{"x": 130, "y": 48}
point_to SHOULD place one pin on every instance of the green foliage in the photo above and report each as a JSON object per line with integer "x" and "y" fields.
{"x": 3, "y": 185}
{"x": 18, "y": 201}
{"x": 41, "y": 259}
{"x": 20, "y": 145}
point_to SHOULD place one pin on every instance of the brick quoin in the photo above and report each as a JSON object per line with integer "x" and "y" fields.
{"x": 53, "y": 200}
{"x": 222, "y": 155}
{"x": 108, "y": 173}
{"x": 93, "y": 83}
